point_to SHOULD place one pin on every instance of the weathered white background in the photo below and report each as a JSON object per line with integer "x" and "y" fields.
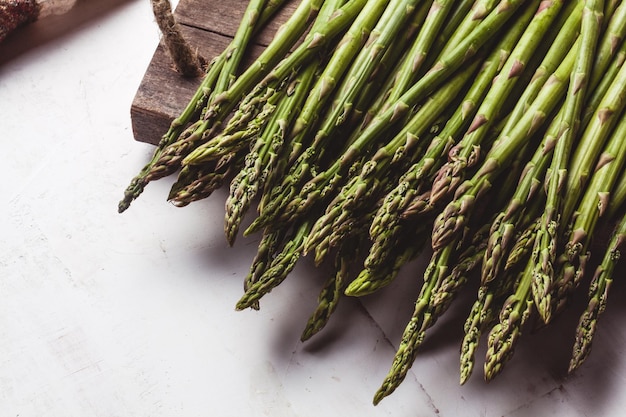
{"x": 108, "y": 315}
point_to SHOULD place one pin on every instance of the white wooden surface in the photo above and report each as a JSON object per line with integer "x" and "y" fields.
{"x": 104, "y": 314}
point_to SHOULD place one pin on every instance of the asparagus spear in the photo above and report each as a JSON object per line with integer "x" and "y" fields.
{"x": 618, "y": 199}
{"x": 483, "y": 314}
{"x": 592, "y": 206}
{"x": 505, "y": 334}
{"x": 333, "y": 288}
{"x": 441, "y": 282}
{"x": 416, "y": 55}
{"x": 380, "y": 268}
{"x": 326, "y": 182}
{"x": 510, "y": 219}
{"x": 218, "y": 73}
{"x": 389, "y": 217}
{"x": 281, "y": 265}
{"x": 546, "y": 242}
{"x": 268, "y": 249}
{"x": 454, "y": 34}
{"x": 456, "y": 213}
{"x": 357, "y": 192}
{"x": 467, "y": 152}
{"x": 567, "y": 32}
{"x": 194, "y": 147}
{"x": 299, "y": 160}
{"x": 200, "y": 182}
{"x": 375, "y": 94}
{"x": 591, "y": 143}
{"x": 598, "y": 294}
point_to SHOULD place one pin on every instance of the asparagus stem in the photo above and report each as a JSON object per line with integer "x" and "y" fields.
{"x": 618, "y": 198}
{"x": 597, "y": 194}
{"x": 510, "y": 219}
{"x": 299, "y": 157}
{"x": 598, "y": 294}
{"x": 381, "y": 267}
{"x": 200, "y": 182}
{"x": 484, "y": 313}
{"x": 280, "y": 267}
{"x": 446, "y": 273}
{"x": 505, "y": 334}
{"x": 589, "y": 147}
{"x": 416, "y": 55}
{"x": 396, "y": 204}
{"x": 220, "y": 70}
{"x": 456, "y": 213}
{"x": 331, "y": 292}
{"x": 268, "y": 249}
{"x": 358, "y": 192}
{"x": 326, "y": 182}
{"x": 467, "y": 152}
{"x": 566, "y": 34}
{"x": 568, "y": 126}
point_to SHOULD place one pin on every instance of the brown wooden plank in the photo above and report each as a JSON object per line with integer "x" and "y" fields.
{"x": 223, "y": 17}
{"x": 163, "y": 93}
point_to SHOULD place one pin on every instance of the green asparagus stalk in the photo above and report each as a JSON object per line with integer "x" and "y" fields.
{"x": 609, "y": 44}
{"x": 388, "y": 218}
{"x": 219, "y": 72}
{"x": 416, "y": 55}
{"x": 484, "y": 313}
{"x": 396, "y": 16}
{"x": 327, "y": 181}
{"x": 454, "y": 34}
{"x": 566, "y": 34}
{"x": 299, "y": 158}
{"x": 491, "y": 293}
{"x": 505, "y": 334}
{"x": 333, "y": 288}
{"x": 546, "y": 242}
{"x": 280, "y": 267}
{"x": 374, "y": 95}
{"x": 415, "y": 330}
{"x": 510, "y": 219}
{"x": 381, "y": 268}
{"x": 268, "y": 249}
{"x": 446, "y": 273}
{"x": 597, "y": 194}
{"x": 467, "y": 152}
{"x": 200, "y": 182}
{"x": 587, "y": 151}
{"x": 618, "y": 199}
{"x": 358, "y": 192}
{"x": 598, "y": 294}
{"x": 456, "y": 213}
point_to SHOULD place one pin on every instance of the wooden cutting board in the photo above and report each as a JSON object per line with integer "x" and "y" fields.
{"x": 208, "y": 26}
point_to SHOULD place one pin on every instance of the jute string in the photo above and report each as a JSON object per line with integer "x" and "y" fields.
{"x": 186, "y": 59}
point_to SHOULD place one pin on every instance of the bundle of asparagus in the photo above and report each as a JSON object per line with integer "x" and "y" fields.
{"x": 492, "y": 130}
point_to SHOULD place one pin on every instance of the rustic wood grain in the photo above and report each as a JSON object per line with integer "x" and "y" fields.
{"x": 209, "y": 27}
